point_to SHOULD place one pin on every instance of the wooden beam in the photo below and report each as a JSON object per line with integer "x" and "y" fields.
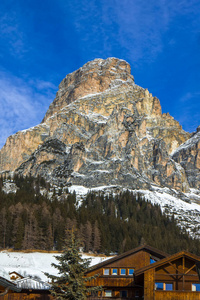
{"x": 186, "y": 273}
{"x": 168, "y": 274}
{"x": 190, "y": 269}
{"x": 177, "y": 274}
{"x": 173, "y": 266}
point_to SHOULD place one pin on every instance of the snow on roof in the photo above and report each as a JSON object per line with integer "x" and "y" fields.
{"x": 30, "y": 283}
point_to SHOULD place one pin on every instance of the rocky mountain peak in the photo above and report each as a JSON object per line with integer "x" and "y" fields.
{"x": 94, "y": 77}
{"x": 103, "y": 129}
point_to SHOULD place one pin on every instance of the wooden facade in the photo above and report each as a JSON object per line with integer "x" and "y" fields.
{"x": 27, "y": 296}
{"x": 116, "y": 275}
{"x": 148, "y": 274}
{"x": 10, "y": 291}
{"x": 174, "y": 277}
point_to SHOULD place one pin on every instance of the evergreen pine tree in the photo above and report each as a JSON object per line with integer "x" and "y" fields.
{"x": 96, "y": 237}
{"x": 71, "y": 282}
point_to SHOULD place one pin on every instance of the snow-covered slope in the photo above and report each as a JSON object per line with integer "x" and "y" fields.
{"x": 187, "y": 212}
{"x": 33, "y": 264}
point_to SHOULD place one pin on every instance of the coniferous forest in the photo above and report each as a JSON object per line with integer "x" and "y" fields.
{"x": 29, "y": 219}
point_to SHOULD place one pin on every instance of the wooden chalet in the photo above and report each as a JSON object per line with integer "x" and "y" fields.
{"x": 24, "y": 289}
{"x": 146, "y": 273}
{"x": 174, "y": 277}
{"x": 116, "y": 275}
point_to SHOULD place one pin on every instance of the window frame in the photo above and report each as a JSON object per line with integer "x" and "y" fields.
{"x": 121, "y": 271}
{"x": 106, "y": 269}
{"x": 164, "y": 286}
{"x": 137, "y": 294}
{"x": 194, "y": 284}
{"x": 112, "y": 272}
{"x": 129, "y": 271}
{"x": 110, "y": 296}
{"x": 125, "y": 292}
{"x": 172, "y": 285}
{"x": 159, "y": 289}
{"x": 152, "y": 260}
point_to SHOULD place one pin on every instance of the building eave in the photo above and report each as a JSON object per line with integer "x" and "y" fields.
{"x": 166, "y": 260}
{"x": 150, "y": 249}
{"x": 8, "y": 284}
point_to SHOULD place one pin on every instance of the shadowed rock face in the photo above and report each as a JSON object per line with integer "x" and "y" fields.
{"x": 103, "y": 129}
{"x": 188, "y": 156}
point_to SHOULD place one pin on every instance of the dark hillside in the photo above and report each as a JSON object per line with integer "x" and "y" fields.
{"x": 104, "y": 223}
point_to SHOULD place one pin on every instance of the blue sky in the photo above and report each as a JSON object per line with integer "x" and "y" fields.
{"x": 42, "y": 41}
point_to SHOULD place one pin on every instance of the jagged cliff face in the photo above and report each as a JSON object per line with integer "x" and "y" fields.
{"x": 103, "y": 129}
{"x": 188, "y": 156}
{"x": 94, "y": 77}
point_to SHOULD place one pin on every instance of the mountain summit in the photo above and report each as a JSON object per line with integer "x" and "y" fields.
{"x": 104, "y": 130}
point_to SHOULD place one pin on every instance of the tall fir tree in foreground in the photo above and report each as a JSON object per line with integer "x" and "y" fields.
{"x": 71, "y": 281}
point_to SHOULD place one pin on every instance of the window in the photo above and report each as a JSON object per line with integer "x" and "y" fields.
{"x": 130, "y": 271}
{"x": 168, "y": 287}
{"x": 114, "y": 271}
{"x": 106, "y": 271}
{"x": 122, "y": 271}
{"x": 196, "y": 287}
{"x": 162, "y": 286}
{"x": 152, "y": 260}
{"x": 137, "y": 294}
{"x": 123, "y": 294}
{"x": 159, "y": 286}
{"x": 108, "y": 293}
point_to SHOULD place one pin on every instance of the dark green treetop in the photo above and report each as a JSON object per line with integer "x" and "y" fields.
{"x": 71, "y": 281}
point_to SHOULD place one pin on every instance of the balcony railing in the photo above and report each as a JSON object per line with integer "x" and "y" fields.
{"x": 113, "y": 298}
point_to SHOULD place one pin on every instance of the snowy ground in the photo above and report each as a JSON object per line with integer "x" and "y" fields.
{"x": 33, "y": 264}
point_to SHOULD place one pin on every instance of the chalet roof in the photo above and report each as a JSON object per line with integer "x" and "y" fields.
{"x": 8, "y": 284}
{"x": 151, "y": 250}
{"x": 166, "y": 260}
{"x": 14, "y": 272}
{"x": 33, "y": 284}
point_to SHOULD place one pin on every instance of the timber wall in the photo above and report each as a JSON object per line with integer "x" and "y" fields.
{"x": 176, "y": 295}
{"x": 149, "y": 279}
{"x": 25, "y": 296}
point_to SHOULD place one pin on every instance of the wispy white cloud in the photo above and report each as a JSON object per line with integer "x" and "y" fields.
{"x": 12, "y": 34}
{"x": 144, "y": 24}
{"x": 189, "y": 96}
{"x": 136, "y": 27}
{"x": 22, "y": 104}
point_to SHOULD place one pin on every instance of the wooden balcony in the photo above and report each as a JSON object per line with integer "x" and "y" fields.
{"x": 114, "y": 298}
{"x": 178, "y": 295}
